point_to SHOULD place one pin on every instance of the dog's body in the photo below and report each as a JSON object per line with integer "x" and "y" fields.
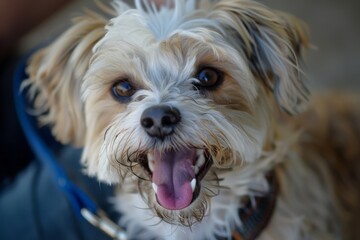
{"x": 178, "y": 106}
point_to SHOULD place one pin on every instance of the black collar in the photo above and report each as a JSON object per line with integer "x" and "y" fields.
{"x": 255, "y": 218}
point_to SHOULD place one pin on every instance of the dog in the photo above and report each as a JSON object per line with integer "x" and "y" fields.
{"x": 198, "y": 111}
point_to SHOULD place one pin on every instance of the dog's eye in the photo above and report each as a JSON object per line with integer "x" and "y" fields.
{"x": 123, "y": 90}
{"x": 209, "y": 78}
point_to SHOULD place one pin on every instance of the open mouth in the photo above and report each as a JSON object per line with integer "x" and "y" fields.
{"x": 176, "y": 175}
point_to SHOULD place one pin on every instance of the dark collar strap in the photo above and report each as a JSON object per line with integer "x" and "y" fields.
{"x": 255, "y": 218}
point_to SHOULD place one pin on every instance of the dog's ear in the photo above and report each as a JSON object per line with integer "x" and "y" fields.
{"x": 272, "y": 42}
{"x": 55, "y": 78}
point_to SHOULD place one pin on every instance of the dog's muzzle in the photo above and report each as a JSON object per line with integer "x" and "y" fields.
{"x": 176, "y": 173}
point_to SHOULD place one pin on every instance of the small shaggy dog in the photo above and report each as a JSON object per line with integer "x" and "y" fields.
{"x": 188, "y": 108}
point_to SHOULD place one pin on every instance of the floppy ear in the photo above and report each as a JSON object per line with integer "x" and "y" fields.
{"x": 272, "y": 42}
{"x": 55, "y": 77}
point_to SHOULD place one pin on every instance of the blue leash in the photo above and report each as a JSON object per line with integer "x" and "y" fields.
{"x": 81, "y": 203}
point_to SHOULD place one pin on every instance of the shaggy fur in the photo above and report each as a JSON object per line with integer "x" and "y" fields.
{"x": 240, "y": 127}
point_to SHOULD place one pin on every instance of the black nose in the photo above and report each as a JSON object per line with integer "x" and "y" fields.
{"x": 160, "y": 120}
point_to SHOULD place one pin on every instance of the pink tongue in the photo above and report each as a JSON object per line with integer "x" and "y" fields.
{"x": 173, "y": 172}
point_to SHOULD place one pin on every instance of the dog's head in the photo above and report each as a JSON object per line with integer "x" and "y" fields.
{"x": 164, "y": 99}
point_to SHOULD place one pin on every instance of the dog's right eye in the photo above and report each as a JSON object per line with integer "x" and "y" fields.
{"x": 209, "y": 79}
{"x": 122, "y": 91}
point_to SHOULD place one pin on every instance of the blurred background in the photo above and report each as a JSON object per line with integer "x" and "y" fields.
{"x": 334, "y": 63}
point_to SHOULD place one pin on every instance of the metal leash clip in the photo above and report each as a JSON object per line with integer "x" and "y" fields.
{"x": 101, "y": 221}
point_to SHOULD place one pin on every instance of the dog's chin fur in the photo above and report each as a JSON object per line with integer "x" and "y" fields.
{"x": 239, "y": 126}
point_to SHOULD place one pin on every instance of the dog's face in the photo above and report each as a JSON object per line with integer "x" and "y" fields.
{"x": 164, "y": 100}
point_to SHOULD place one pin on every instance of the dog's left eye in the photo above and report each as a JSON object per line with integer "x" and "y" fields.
{"x": 122, "y": 91}
{"x": 209, "y": 78}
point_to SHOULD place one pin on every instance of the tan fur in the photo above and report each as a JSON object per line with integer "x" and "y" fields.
{"x": 287, "y": 37}
{"x": 332, "y": 131}
{"x": 56, "y": 70}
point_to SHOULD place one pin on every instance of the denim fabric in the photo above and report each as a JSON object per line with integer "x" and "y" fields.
{"x": 33, "y": 207}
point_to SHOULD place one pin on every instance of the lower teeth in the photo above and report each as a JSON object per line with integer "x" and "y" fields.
{"x": 155, "y": 187}
{"x": 193, "y": 184}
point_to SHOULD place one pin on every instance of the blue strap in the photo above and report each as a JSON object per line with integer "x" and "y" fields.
{"x": 77, "y": 198}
